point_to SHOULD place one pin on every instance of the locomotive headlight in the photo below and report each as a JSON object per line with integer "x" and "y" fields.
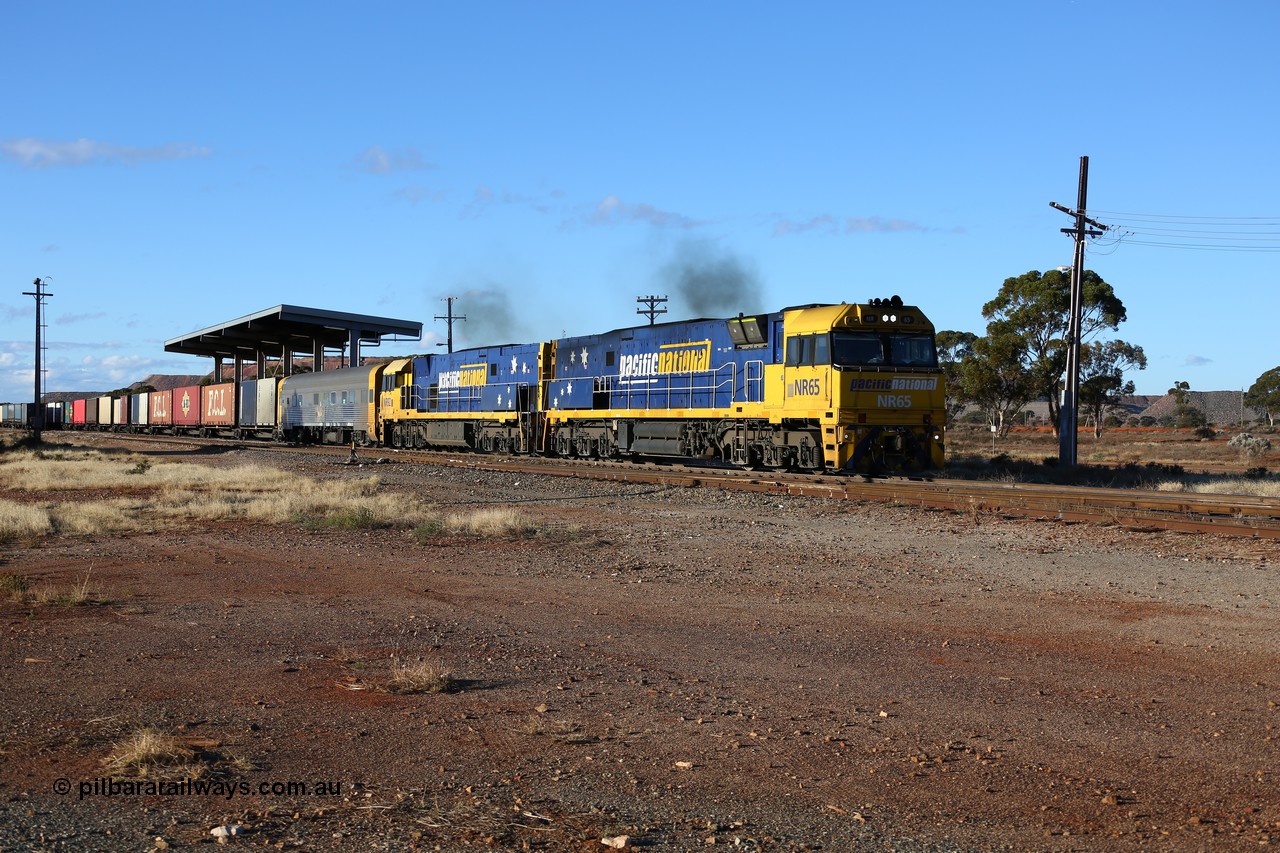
{"x": 884, "y": 318}
{"x": 893, "y": 318}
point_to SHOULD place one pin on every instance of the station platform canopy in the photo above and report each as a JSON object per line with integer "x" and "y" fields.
{"x": 288, "y": 330}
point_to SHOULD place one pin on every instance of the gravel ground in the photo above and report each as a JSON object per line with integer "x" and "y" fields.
{"x": 686, "y": 667}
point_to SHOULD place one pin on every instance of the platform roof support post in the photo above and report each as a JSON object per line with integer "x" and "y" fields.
{"x": 317, "y": 355}
{"x": 353, "y": 347}
{"x": 235, "y": 392}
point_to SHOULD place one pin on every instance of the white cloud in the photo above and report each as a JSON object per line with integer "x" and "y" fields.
{"x": 68, "y": 319}
{"x": 379, "y": 161}
{"x": 1197, "y": 361}
{"x": 483, "y": 197}
{"x": 825, "y": 222}
{"x": 416, "y": 194}
{"x": 830, "y": 224}
{"x": 43, "y": 154}
{"x": 613, "y": 210}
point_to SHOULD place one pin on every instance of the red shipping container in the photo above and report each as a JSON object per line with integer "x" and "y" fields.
{"x": 161, "y": 408}
{"x": 186, "y": 406}
{"x": 77, "y": 412}
{"x": 218, "y": 405}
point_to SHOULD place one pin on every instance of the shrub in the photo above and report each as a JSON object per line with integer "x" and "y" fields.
{"x": 13, "y": 587}
{"x": 428, "y": 675}
{"x": 1250, "y": 445}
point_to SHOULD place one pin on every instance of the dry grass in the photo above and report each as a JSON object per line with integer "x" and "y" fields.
{"x": 18, "y": 588}
{"x": 1266, "y": 488}
{"x": 1165, "y": 459}
{"x": 23, "y": 522}
{"x": 428, "y": 674}
{"x": 80, "y": 592}
{"x": 83, "y": 468}
{"x": 150, "y": 752}
{"x": 497, "y": 521}
{"x": 148, "y": 495}
{"x": 13, "y": 587}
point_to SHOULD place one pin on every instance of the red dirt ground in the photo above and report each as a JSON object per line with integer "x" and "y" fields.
{"x": 685, "y": 667}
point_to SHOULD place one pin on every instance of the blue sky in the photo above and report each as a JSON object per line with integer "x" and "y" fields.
{"x": 169, "y": 166}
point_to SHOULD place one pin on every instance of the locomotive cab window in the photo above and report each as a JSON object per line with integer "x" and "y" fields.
{"x": 855, "y": 349}
{"x": 862, "y": 349}
{"x": 913, "y": 350}
{"x": 808, "y": 350}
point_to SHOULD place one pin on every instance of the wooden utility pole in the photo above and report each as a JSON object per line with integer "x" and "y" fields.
{"x": 449, "y": 317}
{"x": 1069, "y": 415}
{"x": 653, "y": 310}
{"x": 36, "y": 416}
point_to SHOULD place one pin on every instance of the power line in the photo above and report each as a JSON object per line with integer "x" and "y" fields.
{"x": 1173, "y": 216}
{"x": 1122, "y": 239}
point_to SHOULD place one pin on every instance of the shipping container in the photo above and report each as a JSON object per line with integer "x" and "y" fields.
{"x": 160, "y": 405}
{"x": 258, "y": 404}
{"x": 248, "y": 404}
{"x": 120, "y": 412}
{"x": 78, "y": 412}
{"x": 218, "y": 405}
{"x": 138, "y": 409}
{"x": 13, "y": 414}
{"x": 104, "y": 412}
{"x": 186, "y": 407}
{"x": 55, "y": 415}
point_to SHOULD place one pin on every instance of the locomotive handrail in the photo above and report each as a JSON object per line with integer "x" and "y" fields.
{"x": 464, "y": 398}
{"x": 687, "y": 385}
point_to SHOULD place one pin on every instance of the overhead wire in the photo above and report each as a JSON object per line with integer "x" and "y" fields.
{"x": 1202, "y": 233}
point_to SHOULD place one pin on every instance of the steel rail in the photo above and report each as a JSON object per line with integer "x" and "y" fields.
{"x": 1223, "y": 515}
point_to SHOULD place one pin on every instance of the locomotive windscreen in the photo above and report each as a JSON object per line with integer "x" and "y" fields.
{"x": 862, "y": 349}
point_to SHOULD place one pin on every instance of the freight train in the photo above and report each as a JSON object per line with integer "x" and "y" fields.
{"x": 838, "y": 388}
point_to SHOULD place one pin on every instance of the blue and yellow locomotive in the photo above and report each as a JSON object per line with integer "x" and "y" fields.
{"x": 849, "y": 387}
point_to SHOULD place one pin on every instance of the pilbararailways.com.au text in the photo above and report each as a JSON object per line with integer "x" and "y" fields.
{"x": 226, "y": 789}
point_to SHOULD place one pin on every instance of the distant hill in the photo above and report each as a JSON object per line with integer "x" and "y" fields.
{"x": 167, "y": 382}
{"x": 1221, "y": 408}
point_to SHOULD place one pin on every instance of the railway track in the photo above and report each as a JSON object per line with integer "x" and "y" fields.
{"x": 1223, "y": 515}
